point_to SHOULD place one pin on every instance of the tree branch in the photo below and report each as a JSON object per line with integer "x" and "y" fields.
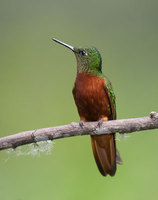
{"x": 74, "y": 129}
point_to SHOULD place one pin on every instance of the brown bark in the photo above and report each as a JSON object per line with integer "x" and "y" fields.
{"x": 74, "y": 129}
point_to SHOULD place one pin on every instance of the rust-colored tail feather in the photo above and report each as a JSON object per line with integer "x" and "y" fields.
{"x": 104, "y": 151}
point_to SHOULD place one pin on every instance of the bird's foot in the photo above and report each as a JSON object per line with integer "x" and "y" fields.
{"x": 81, "y": 123}
{"x": 100, "y": 123}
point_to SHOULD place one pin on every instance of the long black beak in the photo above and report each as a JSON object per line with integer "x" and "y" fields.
{"x": 64, "y": 44}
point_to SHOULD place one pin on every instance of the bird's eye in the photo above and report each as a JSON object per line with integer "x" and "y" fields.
{"x": 83, "y": 53}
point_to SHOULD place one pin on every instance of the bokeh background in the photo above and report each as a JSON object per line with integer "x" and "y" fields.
{"x": 36, "y": 80}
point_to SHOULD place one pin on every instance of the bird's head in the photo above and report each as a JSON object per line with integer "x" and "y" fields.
{"x": 88, "y": 58}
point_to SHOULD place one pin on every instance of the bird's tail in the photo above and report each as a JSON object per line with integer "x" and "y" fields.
{"x": 104, "y": 150}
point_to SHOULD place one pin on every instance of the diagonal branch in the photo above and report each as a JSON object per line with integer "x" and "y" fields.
{"x": 74, "y": 129}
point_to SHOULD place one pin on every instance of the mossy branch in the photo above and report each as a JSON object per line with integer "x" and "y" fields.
{"x": 74, "y": 129}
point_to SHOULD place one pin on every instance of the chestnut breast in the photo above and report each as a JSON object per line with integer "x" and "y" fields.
{"x": 90, "y": 97}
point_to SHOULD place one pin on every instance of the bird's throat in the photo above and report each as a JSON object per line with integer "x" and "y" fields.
{"x": 85, "y": 69}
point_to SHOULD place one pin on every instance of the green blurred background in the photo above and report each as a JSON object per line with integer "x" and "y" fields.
{"x": 36, "y": 80}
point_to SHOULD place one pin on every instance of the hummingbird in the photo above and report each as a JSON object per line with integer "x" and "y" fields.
{"x": 95, "y": 101}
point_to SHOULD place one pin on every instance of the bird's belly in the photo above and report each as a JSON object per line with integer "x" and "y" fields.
{"x": 92, "y": 103}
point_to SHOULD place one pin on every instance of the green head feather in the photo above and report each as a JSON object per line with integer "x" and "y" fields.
{"x": 88, "y": 60}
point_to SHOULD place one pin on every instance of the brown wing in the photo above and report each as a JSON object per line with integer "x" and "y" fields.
{"x": 104, "y": 148}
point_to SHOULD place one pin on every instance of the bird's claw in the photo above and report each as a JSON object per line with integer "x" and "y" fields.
{"x": 81, "y": 123}
{"x": 100, "y": 123}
